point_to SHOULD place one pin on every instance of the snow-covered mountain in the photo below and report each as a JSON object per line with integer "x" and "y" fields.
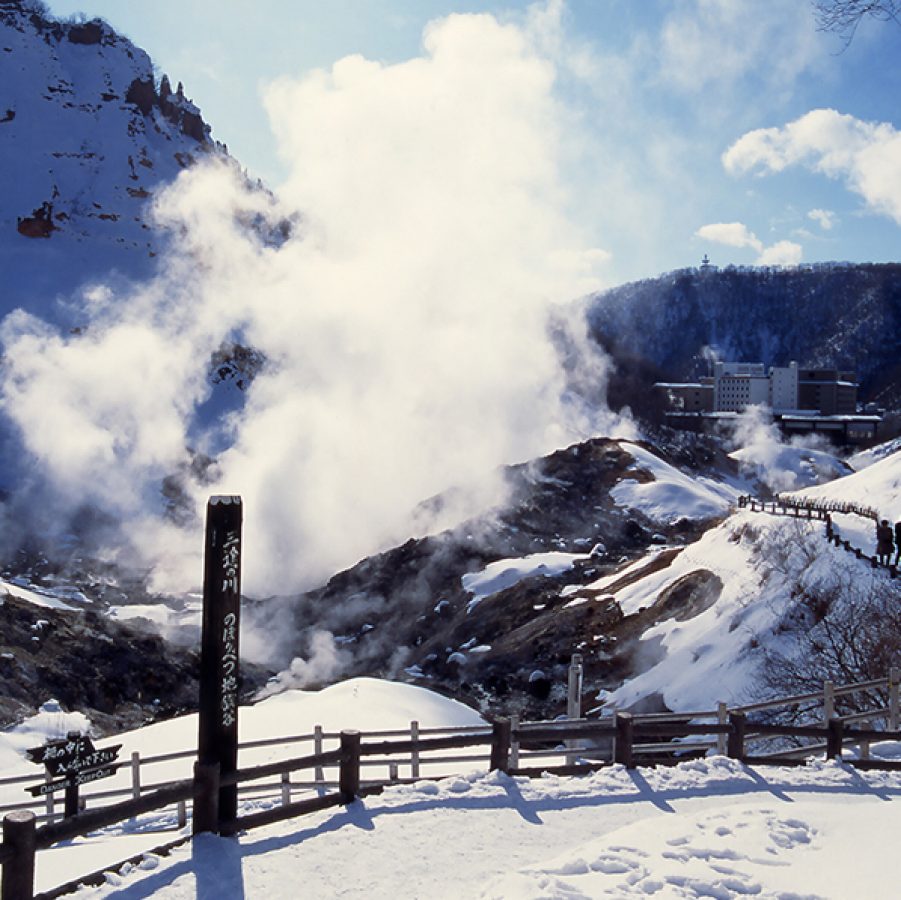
{"x": 87, "y": 137}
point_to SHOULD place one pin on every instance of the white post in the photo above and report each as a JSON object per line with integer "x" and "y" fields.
{"x": 574, "y": 688}
{"x": 414, "y": 753}
{"x": 135, "y": 775}
{"x": 894, "y": 680}
{"x": 514, "y": 744}
{"x": 722, "y": 717}
{"x": 286, "y": 788}
{"x": 613, "y": 739}
{"x": 318, "y": 774}
{"x": 574, "y": 702}
{"x": 828, "y": 702}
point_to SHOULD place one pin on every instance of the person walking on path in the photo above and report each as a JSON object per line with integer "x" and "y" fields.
{"x": 897, "y": 542}
{"x": 884, "y": 542}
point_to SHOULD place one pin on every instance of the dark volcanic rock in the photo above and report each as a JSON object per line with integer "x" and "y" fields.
{"x": 118, "y": 676}
{"x": 406, "y": 611}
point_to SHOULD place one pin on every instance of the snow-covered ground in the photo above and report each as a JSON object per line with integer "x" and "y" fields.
{"x": 505, "y": 573}
{"x": 671, "y": 495}
{"x": 712, "y": 828}
{"x": 705, "y": 828}
{"x": 877, "y": 485}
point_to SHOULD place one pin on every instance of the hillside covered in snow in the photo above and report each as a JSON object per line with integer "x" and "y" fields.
{"x": 87, "y": 138}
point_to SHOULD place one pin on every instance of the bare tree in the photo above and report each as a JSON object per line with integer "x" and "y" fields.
{"x": 845, "y": 633}
{"x": 843, "y": 16}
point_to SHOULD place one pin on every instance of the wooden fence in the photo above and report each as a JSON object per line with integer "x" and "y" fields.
{"x": 823, "y": 510}
{"x": 336, "y": 770}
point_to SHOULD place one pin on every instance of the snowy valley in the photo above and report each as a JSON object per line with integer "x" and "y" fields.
{"x": 453, "y": 499}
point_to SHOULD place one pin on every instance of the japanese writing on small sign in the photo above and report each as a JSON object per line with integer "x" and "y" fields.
{"x": 75, "y": 758}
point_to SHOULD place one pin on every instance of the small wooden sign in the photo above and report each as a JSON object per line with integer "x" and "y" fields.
{"x": 74, "y": 780}
{"x": 75, "y": 758}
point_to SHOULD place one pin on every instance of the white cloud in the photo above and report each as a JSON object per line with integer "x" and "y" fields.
{"x": 865, "y": 155}
{"x": 737, "y": 234}
{"x": 707, "y": 44}
{"x": 825, "y": 218}
{"x": 782, "y": 253}
{"x": 732, "y": 234}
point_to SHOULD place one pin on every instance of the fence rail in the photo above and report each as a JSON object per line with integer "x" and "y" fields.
{"x": 507, "y": 745}
{"x": 823, "y": 510}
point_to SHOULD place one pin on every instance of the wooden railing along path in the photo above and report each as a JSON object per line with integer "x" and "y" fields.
{"x": 823, "y": 510}
{"x": 336, "y": 773}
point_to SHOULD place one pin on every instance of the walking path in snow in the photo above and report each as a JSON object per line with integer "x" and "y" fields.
{"x": 706, "y": 828}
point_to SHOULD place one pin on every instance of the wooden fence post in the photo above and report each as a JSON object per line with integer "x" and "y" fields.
{"x": 834, "y": 739}
{"x": 864, "y": 746}
{"x": 49, "y": 804}
{"x": 514, "y": 743}
{"x": 613, "y": 739}
{"x": 318, "y": 774}
{"x": 414, "y": 753}
{"x": 735, "y": 746}
{"x": 349, "y": 775}
{"x": 71, "y": 801}
{"x": 135, "y": 775}
{"x": 894, "y": 684}
{"x": 18, "y": 872}
{"x": 828, "y": 702}
{"x": 286, "y": 788}
{"x": 625, "y": 731}
{"x": 722, "y": 717}
{"x": 206, "y": 798}
{"x": 574, "y": 702}
{"x": 500, "y": 746}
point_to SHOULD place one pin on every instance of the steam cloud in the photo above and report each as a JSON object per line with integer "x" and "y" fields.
{"x": 800, "y": 462}
{"x": 404, "y": 326}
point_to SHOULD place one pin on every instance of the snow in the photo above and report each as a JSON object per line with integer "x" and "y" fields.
{"x": 505, "y": 573}
{"x": 879, "y": 485}
{"x": 712, "y": 828}
{"x": 867, "y": 457}
{"x": 671, "y": 495}
{"x": 32, "y": 596}
{"x": 49, "y": 723}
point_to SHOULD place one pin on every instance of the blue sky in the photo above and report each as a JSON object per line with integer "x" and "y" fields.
{"x": 727, "y": 127}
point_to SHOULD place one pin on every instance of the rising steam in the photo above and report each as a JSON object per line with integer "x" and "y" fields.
{"x": 404, "y": 325}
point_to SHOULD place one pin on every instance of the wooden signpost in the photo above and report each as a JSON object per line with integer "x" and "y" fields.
{"x": 75, "y": 758}
{"x": 219, "y": 654}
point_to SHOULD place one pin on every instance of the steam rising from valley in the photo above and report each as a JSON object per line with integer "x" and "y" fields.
{"x": 404, "y": 325}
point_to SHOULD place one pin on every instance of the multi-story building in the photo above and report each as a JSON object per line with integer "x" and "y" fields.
{"x": 736, "y": 386}
{"x": 800, "y": 399}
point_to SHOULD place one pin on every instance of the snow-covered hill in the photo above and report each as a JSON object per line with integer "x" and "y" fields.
{"x": 878, "y": 485}
{"x": 86, "y": 140}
